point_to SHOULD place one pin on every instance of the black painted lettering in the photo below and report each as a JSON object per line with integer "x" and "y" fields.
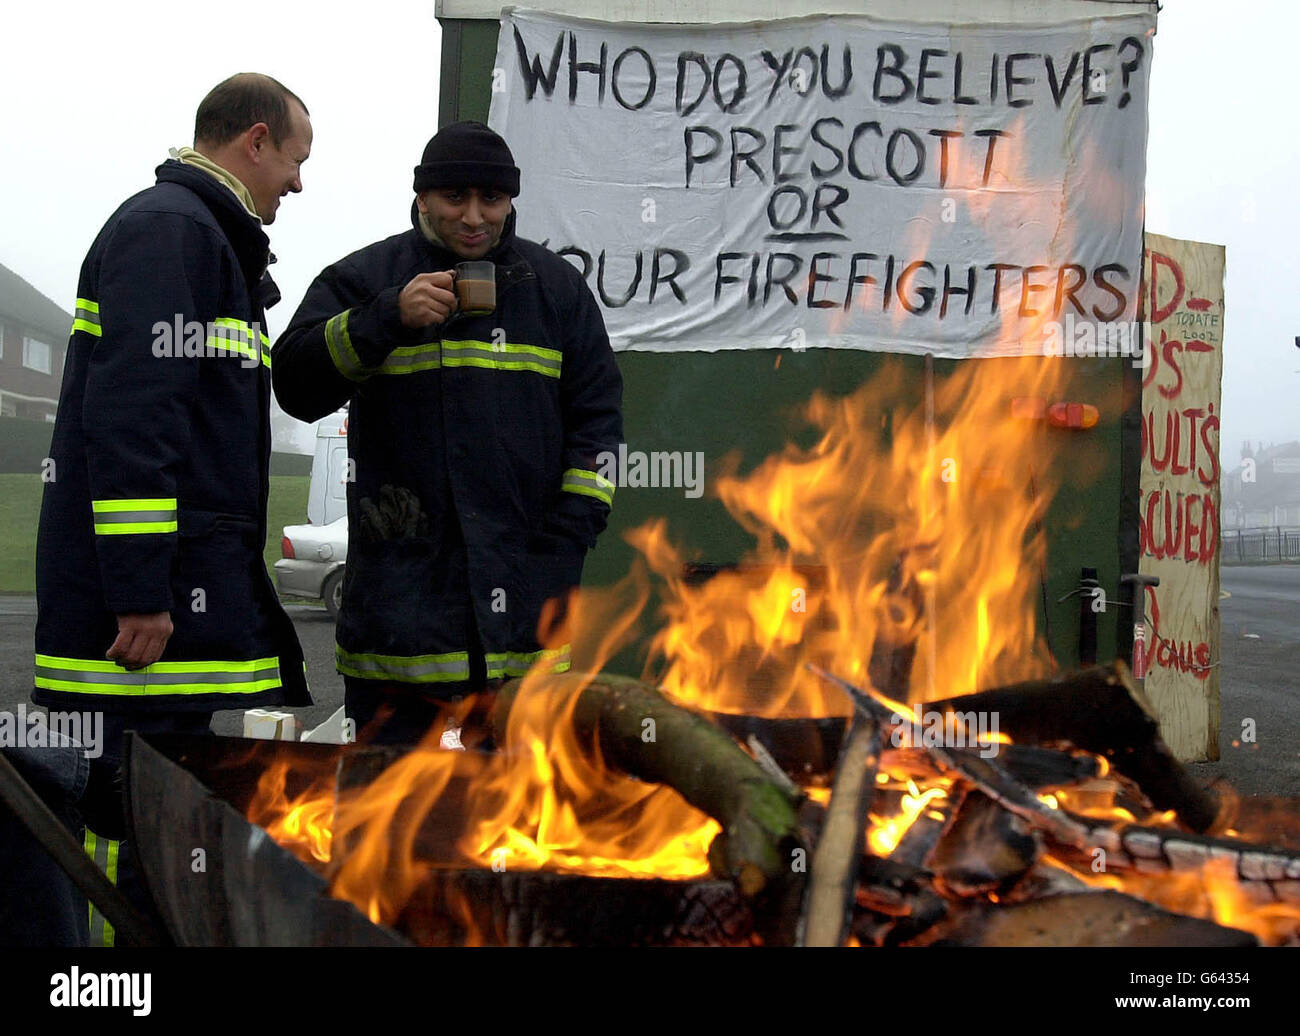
{"x": 821, "y": 172}
{"x": 739, "y": 156}
{"x": 681, "y": 263}
{"x": 694, "y": 158}
{"x": 890, "y": 59}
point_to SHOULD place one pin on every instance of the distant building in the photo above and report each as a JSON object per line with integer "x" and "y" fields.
{"x": 1263, "y": 490}
{"x": 33, "y": 339}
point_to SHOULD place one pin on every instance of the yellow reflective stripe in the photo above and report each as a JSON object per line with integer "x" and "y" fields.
{"x": 111, "y": 871}
{"x": 503, "y": 356}
{"x": 159, "y": 503}
{"x": 411, "y": 359}
{"x": 104, "y": 853}
{"x": 120, "y": 517}
{"x": 133, "y": 528}
{"x": 408, "y": 359}
{"x": 345, "y": 357}
{"x": 443, "y": 668}
{"x": 588, "y": 483}
{"x": 101, "y": 676}
{"x": 520, "y": 663}
{"x": 86, "y": 317}
{"x": 245, "y": 328}
{"x": 245, "y": 341}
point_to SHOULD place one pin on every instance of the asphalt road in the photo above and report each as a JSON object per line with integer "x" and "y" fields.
{"x": 1260, "y": 655}
{"x": 1260, "y": 651}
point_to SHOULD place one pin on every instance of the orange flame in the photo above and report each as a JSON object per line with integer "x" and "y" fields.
{"x": 954, "y": 503}
{"x": 301, "y": 823}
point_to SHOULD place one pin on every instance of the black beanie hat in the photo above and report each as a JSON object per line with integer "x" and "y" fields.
{"x": 467, "y": 154}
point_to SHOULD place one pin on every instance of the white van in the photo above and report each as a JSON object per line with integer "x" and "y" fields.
{"x": 313, "y": 556}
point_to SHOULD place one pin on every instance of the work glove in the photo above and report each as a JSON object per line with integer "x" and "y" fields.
{"x": 396, "y": 516}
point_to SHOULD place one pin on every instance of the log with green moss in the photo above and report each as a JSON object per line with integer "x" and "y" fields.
{"x": 701, "y": 762}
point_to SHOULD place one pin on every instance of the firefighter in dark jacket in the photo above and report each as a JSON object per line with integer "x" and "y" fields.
{"x": 474, "y": 440}
{"x": 153, "y": 601}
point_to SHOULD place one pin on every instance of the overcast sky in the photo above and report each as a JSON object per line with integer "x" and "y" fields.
{"x": 95, "y": 93}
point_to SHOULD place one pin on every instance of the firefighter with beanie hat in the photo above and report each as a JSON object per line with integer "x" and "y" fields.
{"x": 474, "y": 440}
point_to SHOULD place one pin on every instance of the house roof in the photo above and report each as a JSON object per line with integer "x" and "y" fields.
{"x": 24, "y": 305}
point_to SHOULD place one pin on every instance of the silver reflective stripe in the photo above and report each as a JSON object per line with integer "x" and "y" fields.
{"x": 520, "y": 663}
{"x": 86, "y": 318}
{"x": 413, "y": 669}
{"x": 127, "y": 517}
{"x": 125, "y": 678}
{"x": 588, "y": 483}
{"x": 409, "y": 359}
{"x": 101, "y": 676}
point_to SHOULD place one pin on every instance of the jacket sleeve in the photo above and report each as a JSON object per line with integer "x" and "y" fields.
{"x": 157, "y": 270}
{"x": 336, "y": 340}
{"x": 591, "y": 400}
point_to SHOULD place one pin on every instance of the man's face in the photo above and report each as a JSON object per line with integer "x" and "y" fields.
{"x": 468, "y": 219}
{"x": 277, "y": 168}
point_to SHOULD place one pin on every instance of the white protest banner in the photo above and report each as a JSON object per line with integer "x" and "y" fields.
{"x": 834, "y": 181}
{"x": 1179, "y": 525}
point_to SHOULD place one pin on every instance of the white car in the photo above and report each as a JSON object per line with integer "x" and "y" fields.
{"x": 314, "y": 555}
{"x": 312, "y": 561}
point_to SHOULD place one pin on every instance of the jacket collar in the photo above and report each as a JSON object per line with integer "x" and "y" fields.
{"x": 245, "y": 234}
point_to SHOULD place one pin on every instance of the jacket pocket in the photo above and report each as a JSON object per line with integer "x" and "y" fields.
{"x": 220, "y": 609}
{"x": 554, "y": 568}
{"x": 403, "y": 597}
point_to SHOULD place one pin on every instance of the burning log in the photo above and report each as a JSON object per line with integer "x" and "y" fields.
{"x": 805, "y": 748}
{"x": 1031, "y": 765}
{"x": 1102, "y": 710}
{"x": 920, "y": 840}
{"x": 1265, "y": 874}
{"x": 894, "y": 902}
{"x": 830, "y": 885}
{"x": 986, "y": 849}
{"x": 703, "y": 764}
{"x": 986, "y": 775}
{"x": 1081, "y": 919}
{"x": 1016, "y": 798}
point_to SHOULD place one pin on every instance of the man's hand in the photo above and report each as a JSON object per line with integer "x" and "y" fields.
{"x": 428, "y": 298}
{"x": 140, "y": 639}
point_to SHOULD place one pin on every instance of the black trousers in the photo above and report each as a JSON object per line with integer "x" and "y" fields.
{"x": 102, "y": 808}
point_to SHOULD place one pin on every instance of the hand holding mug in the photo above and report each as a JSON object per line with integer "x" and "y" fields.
{"x": 428, "y": 298}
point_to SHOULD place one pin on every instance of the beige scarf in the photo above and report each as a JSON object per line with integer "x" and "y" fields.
{"x": 191, "y": 157}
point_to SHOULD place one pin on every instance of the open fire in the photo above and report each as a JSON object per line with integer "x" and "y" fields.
{"x": 902, "y": 552}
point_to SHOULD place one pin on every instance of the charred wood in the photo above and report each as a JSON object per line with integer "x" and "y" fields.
{"x": 1082, "y": 919}
{"x": 986, "y": 849}
{"x": 1102, "y": 710}
{"x": 537, "y": 908}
